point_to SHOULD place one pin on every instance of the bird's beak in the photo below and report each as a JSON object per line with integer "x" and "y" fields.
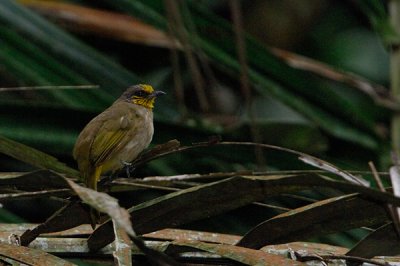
{"x": 156, "y": 94}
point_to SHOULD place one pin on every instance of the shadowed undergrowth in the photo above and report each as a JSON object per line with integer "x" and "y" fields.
{"x": 190, "y": 198}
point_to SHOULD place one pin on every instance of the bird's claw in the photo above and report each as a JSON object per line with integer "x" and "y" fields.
{"x": 107, "y": 180}
{"x": 128, "y": 168}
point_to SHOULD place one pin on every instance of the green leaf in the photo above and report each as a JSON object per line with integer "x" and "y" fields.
{"x": 378, "y": 17}
{"x": 263, "y": 69}
{"x": 34, "y": 157}
{"x": 63, "y": 52}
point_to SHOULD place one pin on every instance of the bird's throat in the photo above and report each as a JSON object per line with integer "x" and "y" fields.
{"x": 145, "y": 102}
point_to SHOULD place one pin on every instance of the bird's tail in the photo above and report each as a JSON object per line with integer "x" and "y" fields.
{"x": 93, "y": 177}
{"x": 91, "y": 182}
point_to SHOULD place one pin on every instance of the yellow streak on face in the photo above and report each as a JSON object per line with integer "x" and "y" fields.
{"x": 146, "y": 102}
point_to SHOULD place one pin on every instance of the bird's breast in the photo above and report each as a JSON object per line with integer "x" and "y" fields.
{"x": 139, "y": 139}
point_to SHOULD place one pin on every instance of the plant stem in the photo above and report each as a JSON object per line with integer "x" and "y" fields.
{"x": 394, "y": 11}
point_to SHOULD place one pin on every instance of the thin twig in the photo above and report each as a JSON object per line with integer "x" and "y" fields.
{"x": 141, "y": 185}
{"x": 304, "y": 258}
{"x": 166, "y": 188}
{"x": 50, "y": 87}
{"x": 203, "y": 58}
{"x": 244, "y": 77}
{"x": 277, "y": 208}
{"x": 284, "y": 172}
{"x": 30, "y": 194}
{"x": 327, "y": 166}
{"x": 220, "y": 175}
{"x": 213, "y": 142}
{"x": 241, "y": 51}
{"x": 376, "y": 176}
{"x": 176, "y": 70}
{"x": 390, "y": 209}
{"x": 172, "y": 7}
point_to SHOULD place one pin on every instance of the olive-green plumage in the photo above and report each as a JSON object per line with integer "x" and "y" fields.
{"x": 117, "y": 135}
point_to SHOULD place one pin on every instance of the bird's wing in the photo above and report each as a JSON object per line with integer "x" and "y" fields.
{"x": 113, "y": 135}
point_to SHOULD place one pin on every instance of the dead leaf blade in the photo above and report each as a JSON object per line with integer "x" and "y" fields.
{"x": 71, "y": 215}
{"x": 381, "y": 242}
{"x": 331, "y": 215}
{"x": 316, "y": 162}
{"x": 214, "y": 198}
{"x": 123, "y": 247}
{"x": 240, "y": 254}
{"x": 30, "y": 256}
{"x": 106, "y": 204}
{"x": 104, "y": 23}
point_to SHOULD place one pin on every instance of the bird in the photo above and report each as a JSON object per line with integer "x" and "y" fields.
{"x": 115, "y": 137}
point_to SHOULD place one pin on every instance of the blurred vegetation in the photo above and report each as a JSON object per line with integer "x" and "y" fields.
{"x": 190, "y": 49}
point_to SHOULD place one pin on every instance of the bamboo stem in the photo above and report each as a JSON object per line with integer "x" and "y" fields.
{"x": 394, "y": 11}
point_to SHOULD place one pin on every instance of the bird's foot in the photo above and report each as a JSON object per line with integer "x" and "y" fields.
{"x": 107, "y": 180}
{"x": 128, "y": 168}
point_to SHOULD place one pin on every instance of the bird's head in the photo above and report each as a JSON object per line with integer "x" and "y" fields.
{"x": 141, "y": 94}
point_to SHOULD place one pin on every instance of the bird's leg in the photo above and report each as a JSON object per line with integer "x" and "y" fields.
{"x": 128, "y": 168}
{"x": 107, "y": 180}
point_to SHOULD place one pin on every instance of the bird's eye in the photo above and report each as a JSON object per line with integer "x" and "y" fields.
{"x": 140, "y": 93}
